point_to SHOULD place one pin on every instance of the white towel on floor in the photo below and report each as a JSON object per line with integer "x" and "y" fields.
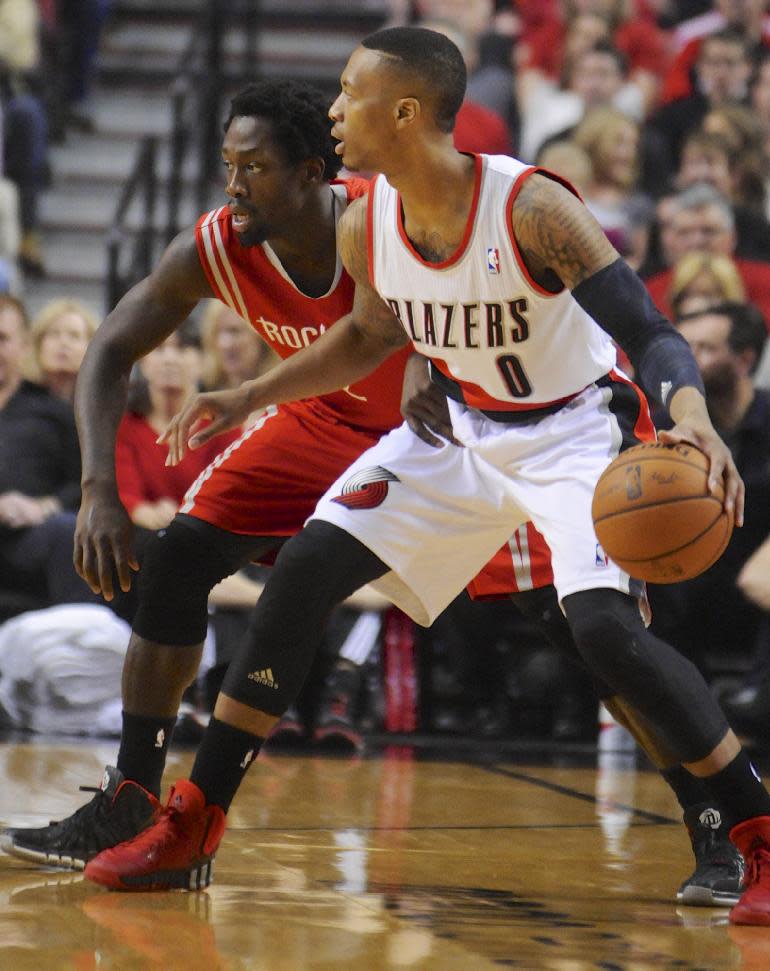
{"x": 60, "y": 669}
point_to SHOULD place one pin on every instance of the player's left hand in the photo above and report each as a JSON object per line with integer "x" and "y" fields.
{"x": 222, "y": 410}
{"x": 424, "y": 406}
{"x": 721, "y": 464}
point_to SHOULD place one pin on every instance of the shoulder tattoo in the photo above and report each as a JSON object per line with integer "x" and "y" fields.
{"x": 559, "y": 239}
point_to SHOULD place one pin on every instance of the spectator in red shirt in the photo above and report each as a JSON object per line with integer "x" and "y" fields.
{"x": 747, "y": 16}
{"x": 643, "y": 43}
{"x": 702, "y": 220}
{"x": 149, "y": 489}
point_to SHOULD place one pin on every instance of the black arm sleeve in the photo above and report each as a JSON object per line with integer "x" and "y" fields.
{"x": 619, "y": 303}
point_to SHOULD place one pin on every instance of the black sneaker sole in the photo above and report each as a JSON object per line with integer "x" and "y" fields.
{"x": 706, "y": 897}
{"x": 198, "y": 878}
{"x": 60, "y": 860}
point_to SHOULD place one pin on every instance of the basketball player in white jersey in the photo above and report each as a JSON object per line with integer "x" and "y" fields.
{"x": 501, "y": 276}
{"x": 256, "y": 493}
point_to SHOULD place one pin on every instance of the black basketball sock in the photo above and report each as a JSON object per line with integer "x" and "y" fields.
{"x": 223, "y": 759}
{"x": 739, "y": 790}
{"x": 143, "y": 747}
{"x": 688, "y": 788}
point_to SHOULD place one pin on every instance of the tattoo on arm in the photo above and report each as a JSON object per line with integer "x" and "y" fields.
{"x": 560, "y": 241}
{"x": 352, "y": 240}
{"x": 370, "y": 312}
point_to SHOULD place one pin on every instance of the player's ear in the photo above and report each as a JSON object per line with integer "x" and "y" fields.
{"x": 314, "y": 169}
{"x": 406, "y": 112}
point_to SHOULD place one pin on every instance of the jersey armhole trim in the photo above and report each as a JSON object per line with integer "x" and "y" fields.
{"x": 370, "y": 230}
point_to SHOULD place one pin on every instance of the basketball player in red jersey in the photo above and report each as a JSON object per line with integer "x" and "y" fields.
{"x": 504, "y": 279}
{"x": 270, "y": 255}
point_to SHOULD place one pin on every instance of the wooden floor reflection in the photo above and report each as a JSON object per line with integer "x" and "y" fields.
{"x": 385, "y": 863}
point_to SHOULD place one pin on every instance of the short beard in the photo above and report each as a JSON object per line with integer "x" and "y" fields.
{"x": 721, "y": 383}
{"x": 252, "y": 237}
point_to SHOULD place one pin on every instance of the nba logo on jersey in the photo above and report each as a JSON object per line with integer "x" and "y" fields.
{"x": 493, "y": 259}
{"x": 601, "y": 557}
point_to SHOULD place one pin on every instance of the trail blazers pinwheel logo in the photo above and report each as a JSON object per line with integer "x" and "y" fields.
{"x": 366, "y": 489}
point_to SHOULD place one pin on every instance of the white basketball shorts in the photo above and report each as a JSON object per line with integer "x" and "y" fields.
{"x": 435, "y": 516}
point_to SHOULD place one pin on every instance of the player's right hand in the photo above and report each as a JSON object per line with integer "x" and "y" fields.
{"x": 103, "y": 542}
{"x": 204, "y": 416}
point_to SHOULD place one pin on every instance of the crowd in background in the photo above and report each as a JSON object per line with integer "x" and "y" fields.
{"x": 658, "y": 113}
{"x": 48, "y": 50}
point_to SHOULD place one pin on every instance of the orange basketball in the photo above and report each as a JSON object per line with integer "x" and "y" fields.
{"x": 654, "y": 515}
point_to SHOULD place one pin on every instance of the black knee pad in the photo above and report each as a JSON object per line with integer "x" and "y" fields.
{"x": 607, "y": 633}
{"x": 646, "y": 672}
{"x": 179, "y": 567}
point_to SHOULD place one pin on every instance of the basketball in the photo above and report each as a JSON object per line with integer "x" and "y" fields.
{"x": 654, "y": 515}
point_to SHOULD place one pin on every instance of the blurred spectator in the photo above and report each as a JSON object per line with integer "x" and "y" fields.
{"x": 754, "y": 581}
{"x": 39, "y": 482}
{"x": 701, "y": 219}
{"x": 491, "y": 81}
{"x": 709, "y": 157}
{"x": 703, "y": 279}
{"x": 10, "y": 232}
{"x": 741, "y": 129}
{"x": 611, "y": 140}
{"x": 472, "y": 17}
{"x": 79, "y": 27}
{"x": 233, "y": 352}
{"x": 548, "y": 43}
{"x": 722, "y": 72}
{"x": 149, "y": 489}
{"x": 547, "y": 106}
{"x": 25, "y": 123}
{"x": 709, "y": 619}
{"x": 568, "y": 160}
{"x": 760, "y": 103}
{"x": 60, "y": 334}
{"x": 748, "y": 17}
{"x": 598, "y": 78}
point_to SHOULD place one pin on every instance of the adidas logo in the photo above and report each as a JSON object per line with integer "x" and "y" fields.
{"x": 264, "y": 677}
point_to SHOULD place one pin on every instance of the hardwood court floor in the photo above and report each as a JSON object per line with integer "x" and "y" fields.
{"x": 390, "y": 863}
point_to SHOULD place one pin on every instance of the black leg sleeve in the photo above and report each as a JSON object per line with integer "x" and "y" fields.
{"x": 646, "y": 672}
{"x": 315, "y": 571}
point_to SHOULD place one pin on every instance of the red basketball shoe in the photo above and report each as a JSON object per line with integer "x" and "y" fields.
{"x": 752, "y": 838}
{"x": 175, "y": 853}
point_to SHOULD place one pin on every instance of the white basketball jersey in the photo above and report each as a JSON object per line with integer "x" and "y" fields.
{"x": 479, "y": 315}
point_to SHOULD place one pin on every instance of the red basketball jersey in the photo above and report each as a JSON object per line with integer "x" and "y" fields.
{"x": 252, "y": 282}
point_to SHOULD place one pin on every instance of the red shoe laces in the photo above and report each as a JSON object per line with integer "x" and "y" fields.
{"x": 758, "y": 863}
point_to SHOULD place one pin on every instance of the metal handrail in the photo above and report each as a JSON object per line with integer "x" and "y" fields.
{"x": 143, "y": 178}
{"x": 194, "y": 94}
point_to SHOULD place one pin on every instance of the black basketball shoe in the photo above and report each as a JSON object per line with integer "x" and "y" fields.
{"x": 118, "y": 811}
{"x": 718, "y": 876}
{"x": 335, "y": 729}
